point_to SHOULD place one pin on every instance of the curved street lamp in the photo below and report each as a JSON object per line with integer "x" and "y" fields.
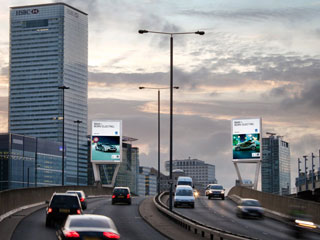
{"x": 171, "y": 93}
{"x": 175, "y": 87}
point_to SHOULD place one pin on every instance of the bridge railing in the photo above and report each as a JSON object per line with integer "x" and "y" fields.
{"x": 197, "y": 228}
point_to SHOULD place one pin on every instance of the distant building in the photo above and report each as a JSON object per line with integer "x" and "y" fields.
{"x": 165, "y": 179}
{"x": 49, "y": 49}
{"x": 202, "y": 173}
{"x": 275, "y": 169}
{"x": 29, "y": 162}
{"x": 147, "y": 183}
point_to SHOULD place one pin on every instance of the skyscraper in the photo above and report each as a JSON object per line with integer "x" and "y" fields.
{"x": 275, "y": 169}
{"x": 49, "y": 49}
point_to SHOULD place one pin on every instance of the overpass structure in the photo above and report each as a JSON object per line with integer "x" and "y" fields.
{"x": 279, "y": 206}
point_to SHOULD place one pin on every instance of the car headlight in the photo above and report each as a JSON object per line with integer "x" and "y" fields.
{"x": 222, "y": 192}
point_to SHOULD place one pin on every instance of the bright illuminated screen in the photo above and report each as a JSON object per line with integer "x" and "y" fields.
{"x": 246, "y": 138}
{"x": 106, "y": 141}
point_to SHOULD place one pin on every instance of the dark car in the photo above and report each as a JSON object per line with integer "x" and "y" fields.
{"x": 215, "y": 190}
{"x": 82, "y": 197}
{"x": 88, "y": 226}
{"x": 121, "y": 195}
{"x": 105, "y": 147}
{"x": 60, "y": 206}
{"x": 250, "y": 208}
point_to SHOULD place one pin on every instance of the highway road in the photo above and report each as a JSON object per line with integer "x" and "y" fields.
{"x": 126, "y": 217}
{"x": 221, "y": 214}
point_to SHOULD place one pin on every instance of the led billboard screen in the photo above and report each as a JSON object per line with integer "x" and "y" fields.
{"x": 106, "y": 141}
{"x": 246, "y": 138}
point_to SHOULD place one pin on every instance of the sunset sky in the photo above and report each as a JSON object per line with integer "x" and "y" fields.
{"x": 257, "y": 59}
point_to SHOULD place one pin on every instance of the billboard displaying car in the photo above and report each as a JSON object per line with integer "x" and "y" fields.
{"x": 106, "y": 141}
{"x": 246, "y": 138}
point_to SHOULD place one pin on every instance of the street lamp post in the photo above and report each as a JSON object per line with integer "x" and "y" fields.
{"x": 63, "y": 149}
{"x": 158, "y": 177}
{"x": 171, "y": 94}
{"x": 77, "y": 122}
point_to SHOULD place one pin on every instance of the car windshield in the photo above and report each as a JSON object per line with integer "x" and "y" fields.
{"x": 184, "y": 192}
{"x": 216, "y": 187}
{"x": 251, "y": 203}
{"x": 120, "y": 191}
{"x": 65, "y": 202}
{"x": 185, "y": 183}
{"x": 94, "y": 223}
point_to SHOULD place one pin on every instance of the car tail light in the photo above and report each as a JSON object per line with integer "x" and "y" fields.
{"x": 71, "y": 234}
{"x": 50, "y": 210}
{"x": 128, "y": 195}
{"x": 78, "y": 211}
{"x": 111, "y": 235}
{"x": 82, "y": 199}
{"x": 113, "y": 196}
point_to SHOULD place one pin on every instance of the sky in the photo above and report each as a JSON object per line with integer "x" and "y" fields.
{"x": 256, "y": 59}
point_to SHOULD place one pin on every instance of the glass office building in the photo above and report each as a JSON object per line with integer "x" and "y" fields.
{"x": 28, "y": 162}
{"x": 49, "y": 49}
{"x": 275, "y": 168}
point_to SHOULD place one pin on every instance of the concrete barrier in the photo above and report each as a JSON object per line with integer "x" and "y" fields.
{"x": 276, "y": 203}
{"x": 17, "y": 198}
{"x": 199, "y": 230}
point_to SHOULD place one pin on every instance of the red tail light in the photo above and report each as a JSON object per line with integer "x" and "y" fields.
{"x": 71, "y": 234}
{"x": 111, "y": 235}
{"x": 49, "y": 210}
{"x": 113, "y": 196}
{"x": 78, "y": 211}
{"x": 81, "y": 199}
{"x": 128, "y": 195}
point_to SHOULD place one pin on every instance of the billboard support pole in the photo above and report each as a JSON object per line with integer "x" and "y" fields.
{"x": 238, "y": 171}
{"x": 96, "y": 172}
{"x": 255, "y": 186}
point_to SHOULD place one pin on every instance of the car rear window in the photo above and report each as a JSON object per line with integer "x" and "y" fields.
{"x": 65, "y": 201}
{"x": 184, "y": 183}
{"x": 120, "y": 191}
{"x": 78, "y": 193}
{"x": 94, "y": 223}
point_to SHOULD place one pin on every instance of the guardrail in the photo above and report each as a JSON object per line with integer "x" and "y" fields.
{"x": 197, "y": 228}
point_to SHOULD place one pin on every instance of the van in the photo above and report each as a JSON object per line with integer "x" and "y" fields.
{"x": 185, "y": 181}
{"x": 184, "y": 196}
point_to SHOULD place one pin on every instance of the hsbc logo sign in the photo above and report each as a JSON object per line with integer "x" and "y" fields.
{"x": 27, "y": 11}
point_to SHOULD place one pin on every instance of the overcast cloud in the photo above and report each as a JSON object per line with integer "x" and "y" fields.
{"x": 256, "y": 59}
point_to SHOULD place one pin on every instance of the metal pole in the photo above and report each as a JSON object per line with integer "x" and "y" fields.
{"x": 299, "y": 170}
{"x": 158, "y": 141}
{"x": 171, "y": 111}
{"x": 28, "y": 182}
{"x": 36, "y": 164}
{"x": 312, "y": 166}
{"x": 78, "y": 153}
{"x": 305, "y": 171}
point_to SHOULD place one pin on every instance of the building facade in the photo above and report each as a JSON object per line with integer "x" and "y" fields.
{"x": 201, "y": 173}
{"x": 147, "y": 183}
{"x": 48, "y": 50}
{"x": 275, "y": 168}
{"x": 29, "y": 162}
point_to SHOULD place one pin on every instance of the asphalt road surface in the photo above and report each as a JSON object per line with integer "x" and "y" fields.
{"x": 221, "y": 214}
{"x": 126, "y": 217}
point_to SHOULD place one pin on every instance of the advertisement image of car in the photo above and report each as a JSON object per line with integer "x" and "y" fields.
{"x": 105, "y": 147}
{"x": 246, "y": 146}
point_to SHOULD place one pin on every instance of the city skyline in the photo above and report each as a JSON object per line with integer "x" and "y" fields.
{"x": 255, "y": 60}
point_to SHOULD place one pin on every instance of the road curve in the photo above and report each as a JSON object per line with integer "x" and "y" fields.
{"x": 221, "y": 214}
{"x": 126, "y": 217}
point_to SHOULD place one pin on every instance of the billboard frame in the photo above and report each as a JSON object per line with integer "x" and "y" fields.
{"x": 248, "y": 160}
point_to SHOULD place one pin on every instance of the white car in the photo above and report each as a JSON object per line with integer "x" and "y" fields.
{"x": 184, "y": 196}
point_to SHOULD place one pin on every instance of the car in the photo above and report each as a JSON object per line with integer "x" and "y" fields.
{"x": 105, "y": 147}
{"x": 215, "y": 190}
{"x": 81, "y": 196}
{"x": 121, "y": 195}
{"x": 183, "y": 180}
{"x": 246, "y": 145}
{"x": 184, "y": 196}
{"x": 250, "y": 208}
{"x": 88, "y": 226}
{"x": 60, "y": 206}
